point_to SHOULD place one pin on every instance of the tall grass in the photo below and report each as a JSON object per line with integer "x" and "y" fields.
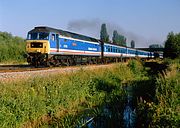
{"x": 167, "y": 109}
{"x": 159, "y": 106}
{"x": 57, "y": 100}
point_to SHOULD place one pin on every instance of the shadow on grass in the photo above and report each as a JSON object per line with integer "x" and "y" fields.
{"x": 156, "y": 68}
{"x": 144, "y": 89}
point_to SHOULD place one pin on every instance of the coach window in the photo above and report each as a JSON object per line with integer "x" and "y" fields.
{"x": 111, "y": 49}
{"x": 108, "y": 49}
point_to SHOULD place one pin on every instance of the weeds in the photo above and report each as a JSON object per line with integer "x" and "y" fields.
{"x": 70, "y": 100}
{"x": 161, "y": 107}
{"x": 58, "y": 100}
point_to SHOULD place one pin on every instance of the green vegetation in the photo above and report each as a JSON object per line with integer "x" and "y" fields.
{"x": 60, "y": 100}
{"x": 118, "y": 39}
{"x": 132, "y": 44}
{"x": 12, "y": 48}
{"x": 103, "y": 34}
{"x": 66, "y": 100}
{"x": 158, "y": 104}
{"x": 167, "y": 108}
{"x": 172, "y": 46}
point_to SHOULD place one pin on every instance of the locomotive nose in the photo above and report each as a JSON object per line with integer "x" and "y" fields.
{"x": 37, "y": 47}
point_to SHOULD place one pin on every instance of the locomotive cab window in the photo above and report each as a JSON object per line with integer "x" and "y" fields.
{"x": 38, "y": 36}
{"x": 43, "y": 36}
{"x": 32, "y": 36}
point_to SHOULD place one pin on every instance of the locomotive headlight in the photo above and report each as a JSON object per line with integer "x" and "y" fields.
{"x": 28, "y": 45}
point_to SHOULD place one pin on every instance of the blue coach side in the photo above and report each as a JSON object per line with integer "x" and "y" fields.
{"x": 112, "y": 50}
{"x": 143, "y": 54}
{"x": 131, "y": 52}
{"x": 71, "y": 46}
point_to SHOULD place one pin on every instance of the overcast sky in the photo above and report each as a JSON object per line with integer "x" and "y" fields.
{"x": 145, "y": 21}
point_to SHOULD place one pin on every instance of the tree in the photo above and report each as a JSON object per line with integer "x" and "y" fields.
{"x": 122, "y": 40}
{"x": 132, "y": 44}
{"x": 115, "y": 37}
{"x": 104, "y": 35}
{"x": 172, "y": 46}
{"x": 118, "y": 39}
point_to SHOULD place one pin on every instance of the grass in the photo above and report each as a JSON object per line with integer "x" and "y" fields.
{"x": 166, "y": 110}
{"x": 67, "y": 100}
{"x": 158, "y": 104}
{"x": 58, "y": 100}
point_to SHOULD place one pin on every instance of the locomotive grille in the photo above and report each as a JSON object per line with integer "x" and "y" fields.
{"x": 36, "y": 45}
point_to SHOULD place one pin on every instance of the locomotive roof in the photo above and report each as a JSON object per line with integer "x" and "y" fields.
{"x": 63, "y": 33}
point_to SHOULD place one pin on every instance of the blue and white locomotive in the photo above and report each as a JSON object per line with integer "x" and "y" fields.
{"x": 49, "y": 46}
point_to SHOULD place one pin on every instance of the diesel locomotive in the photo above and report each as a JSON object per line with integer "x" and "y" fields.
{"x": 49, "y": 46}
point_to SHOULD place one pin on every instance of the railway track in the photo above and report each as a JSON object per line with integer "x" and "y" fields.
{"x": 25, "y": 67}
{"x": 11, "y": 73}
{"x": 19, "y": 68}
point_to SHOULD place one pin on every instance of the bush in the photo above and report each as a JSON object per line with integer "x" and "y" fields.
{"x": 136, "y": 67}
{"x": 12, "y": 48}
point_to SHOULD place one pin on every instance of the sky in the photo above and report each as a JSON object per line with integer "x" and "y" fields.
{"x": 145, "y": 21}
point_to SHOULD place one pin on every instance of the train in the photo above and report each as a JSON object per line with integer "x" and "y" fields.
{"x": 49, "y": 46}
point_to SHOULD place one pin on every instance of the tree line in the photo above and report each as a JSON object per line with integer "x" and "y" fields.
{"x": 116, "y": 39}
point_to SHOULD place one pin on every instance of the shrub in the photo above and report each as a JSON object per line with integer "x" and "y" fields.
{"x": 136, "y": 67}
{"x": 12, "y": 48}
